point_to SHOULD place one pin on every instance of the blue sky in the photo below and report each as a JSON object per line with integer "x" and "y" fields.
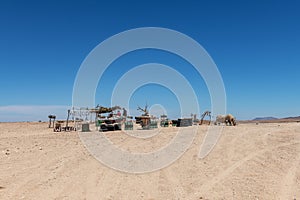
{"x": 255, "y": 44}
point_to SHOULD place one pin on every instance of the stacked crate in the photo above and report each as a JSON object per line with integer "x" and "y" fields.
{"x": 128, "y": 125}
{"x": 153, "y": 124}
{"x": 85, "y": 127}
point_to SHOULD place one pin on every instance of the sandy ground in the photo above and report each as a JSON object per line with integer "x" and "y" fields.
{"x": 249, "y": 162}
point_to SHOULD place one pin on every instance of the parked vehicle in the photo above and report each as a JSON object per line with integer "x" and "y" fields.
{"x": 110, "y": 125}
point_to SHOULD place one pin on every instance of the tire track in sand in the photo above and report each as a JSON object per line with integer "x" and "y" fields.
{"x": 208, "y": 185}
{"x": 289, "y": 186}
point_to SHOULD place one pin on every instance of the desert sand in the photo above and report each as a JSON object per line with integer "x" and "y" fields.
{"x": 250, "y": 161}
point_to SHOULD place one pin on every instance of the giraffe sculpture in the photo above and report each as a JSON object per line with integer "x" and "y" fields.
{"x": 206, "y": 113}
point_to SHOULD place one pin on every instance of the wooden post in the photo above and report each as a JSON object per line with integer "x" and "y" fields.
{"x": 49, "y": 121}
{"x": 67, "y": 120}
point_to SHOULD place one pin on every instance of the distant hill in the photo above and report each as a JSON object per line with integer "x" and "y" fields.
{"x": 264, "y": 118}
{"x": 297, "y": 118}
{"x": 273, "y": 120}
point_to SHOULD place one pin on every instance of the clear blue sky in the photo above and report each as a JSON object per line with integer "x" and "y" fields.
{"x": 255, "y": 44}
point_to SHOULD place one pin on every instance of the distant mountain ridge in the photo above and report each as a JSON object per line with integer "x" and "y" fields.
{"x": 264, "y": 118}
{"x": 298, "y": 117}
{"x": 273, "y": 119}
